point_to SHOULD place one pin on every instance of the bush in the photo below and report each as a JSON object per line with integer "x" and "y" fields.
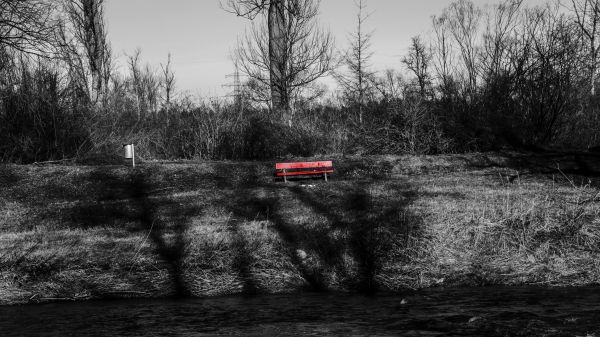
{"x": 37, "y": 122}
{"x": 266, "y": 139}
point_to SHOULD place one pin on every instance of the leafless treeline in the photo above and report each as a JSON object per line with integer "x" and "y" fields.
{"x": 59, "y": 92}
{"x": 518, "y": 73}
{"x": 481, "y": 78}
{"x": 503, "y": 75}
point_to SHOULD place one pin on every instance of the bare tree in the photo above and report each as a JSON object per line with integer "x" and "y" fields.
{"x": 358, "y": 83}
{"x": 275, "y": 42}
{"x": 502, "y": 24}
{"x": 442, "y": 52}
{"x": 144, "y": 84}
{"x": 462, "y": 19}
{"x": 587, "y": 17}
{"x": 390, "y": 85}
{"x": 548, "y": 90}
{"x": 247, "y": 8}
{"x": 86, "y": 46}
{"x": 26, "y": 26}
{"x": 287, "y": 51}
{"x": 135, "y": 81}
{"x": 168, "y": 81}
{"x": 418, "y": 61}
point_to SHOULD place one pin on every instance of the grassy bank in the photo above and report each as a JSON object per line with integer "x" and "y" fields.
{"x": 215, "y": 228}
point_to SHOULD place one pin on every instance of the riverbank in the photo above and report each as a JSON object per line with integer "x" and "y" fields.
{"x": 216, "y": 228}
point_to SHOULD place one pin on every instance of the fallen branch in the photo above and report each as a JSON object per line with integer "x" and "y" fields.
{"x": 565, "y": 176}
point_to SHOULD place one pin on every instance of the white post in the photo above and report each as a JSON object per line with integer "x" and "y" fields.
{"x": 129, "y": 153}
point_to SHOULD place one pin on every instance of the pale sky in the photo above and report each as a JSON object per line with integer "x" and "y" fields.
{"x": 200, "y": 35}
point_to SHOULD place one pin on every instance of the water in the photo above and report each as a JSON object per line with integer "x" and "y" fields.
{"x": 440, "y": 312}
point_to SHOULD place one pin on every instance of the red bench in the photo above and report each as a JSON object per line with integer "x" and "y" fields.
{"x": 303, "y": 169}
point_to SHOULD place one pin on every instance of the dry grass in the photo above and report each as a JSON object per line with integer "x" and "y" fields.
{"x": 531, "y": 231}
{"x": 214, "y": 228}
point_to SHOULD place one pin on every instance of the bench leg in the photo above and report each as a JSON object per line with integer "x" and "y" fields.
{"x": 325, "y": 177}
{"x": 285, "y": 179}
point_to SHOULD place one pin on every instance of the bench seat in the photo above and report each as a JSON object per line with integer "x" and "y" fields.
{"x": 303, "y": 169}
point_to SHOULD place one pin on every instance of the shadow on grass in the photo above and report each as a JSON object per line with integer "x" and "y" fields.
{"x": 168, "y": 236}
{"x": 129, "y": 202}
{"x": 344, "y": 228}
{"x": 109, "y": 201}
{"x": 369, "y": 229}
{"x": 8, "y": 176}
{"x": 374, "y": 227}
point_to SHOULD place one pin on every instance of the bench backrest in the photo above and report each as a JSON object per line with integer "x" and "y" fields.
{"x": 304, "y": 165}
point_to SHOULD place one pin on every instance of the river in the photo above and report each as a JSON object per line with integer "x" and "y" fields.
{"x": 438, "y": 312}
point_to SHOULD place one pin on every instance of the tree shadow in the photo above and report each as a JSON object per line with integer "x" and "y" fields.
{"x": 374, "y": 227}
{"x": 369, "y": 229}
{"x": 252, "y": 207}
{"x": 344, "y": 226}
{"x": 166, "y": 223}
{"x": 8, "y": 176}
{"x": 243, "y": 259}
{"x": 103, "y": 199}
{"x": 130, "y": 202}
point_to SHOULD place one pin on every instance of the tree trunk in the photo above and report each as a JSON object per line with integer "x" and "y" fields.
{"x": 593, "y": 80}
{"x": 593, "y": 72}
{"x": 277, "y": 22}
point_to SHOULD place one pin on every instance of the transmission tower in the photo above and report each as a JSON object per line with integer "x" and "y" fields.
{"x": 238, "y": 90}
